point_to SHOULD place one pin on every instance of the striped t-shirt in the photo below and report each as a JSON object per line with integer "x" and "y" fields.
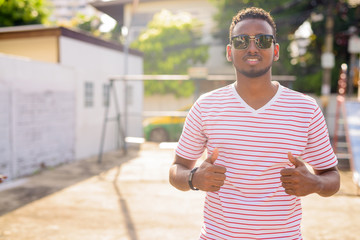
{"x": 253, "y": 146}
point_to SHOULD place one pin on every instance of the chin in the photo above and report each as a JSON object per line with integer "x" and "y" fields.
{"x": 255, "y": 74}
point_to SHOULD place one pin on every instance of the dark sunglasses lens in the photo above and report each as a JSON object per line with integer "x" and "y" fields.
{"x": 264, "y": 41}
{"x": 241, "y": 42}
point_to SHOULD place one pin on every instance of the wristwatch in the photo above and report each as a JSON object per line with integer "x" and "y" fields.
{"x": 191, "y": 178}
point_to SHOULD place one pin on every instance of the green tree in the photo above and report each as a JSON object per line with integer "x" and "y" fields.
{"x": 289, "y": 15}
{"x": 18, "y": 12}
{"x": 345, "y": 16}
{"x": 171, "y": 44}
{"x": 92, "y": 24}
{"x": 87, "y": 23}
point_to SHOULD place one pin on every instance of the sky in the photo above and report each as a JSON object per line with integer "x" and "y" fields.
{"x": 108, "y": 23}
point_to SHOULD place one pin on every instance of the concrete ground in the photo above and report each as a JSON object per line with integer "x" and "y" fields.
{"x": 129, "y": 198}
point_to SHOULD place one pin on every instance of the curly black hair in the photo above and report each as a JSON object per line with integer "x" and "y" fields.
{"x": 252, "y": 13}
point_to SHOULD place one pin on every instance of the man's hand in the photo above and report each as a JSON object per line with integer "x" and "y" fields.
{"x": 210, "y": 177}
{"x": 298, "y": 181}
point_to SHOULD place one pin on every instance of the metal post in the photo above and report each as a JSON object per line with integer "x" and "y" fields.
{"x": 126, "y": 96}
{"x": 329, "y": 38}
{"x": 105, "y": 121}
{"x": 120, "y": 130}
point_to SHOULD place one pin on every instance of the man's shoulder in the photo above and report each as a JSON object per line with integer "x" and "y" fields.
{"x": 298, "y": 97}
{"x": 217, "y": 95}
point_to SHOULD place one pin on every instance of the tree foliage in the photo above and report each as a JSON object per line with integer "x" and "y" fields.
{"x": 23, "y": 12}
{"x": 87, "y": 23}
{"x": 288, "y": 16}
{"x": 92, "y": 24}
{"x": 345, "y": 17}
{"x": 171, "y": 44}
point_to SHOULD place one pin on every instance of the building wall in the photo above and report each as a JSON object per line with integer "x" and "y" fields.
{"x": 65, "y": 10}
{"x": 94, "y": 64}
{"x": 5, "y": 126}
{"x": 44, "y": 120}
{"x": 42, "y": 48}
{"x": 37, "y": 106}
{"x": 203, "y": 10}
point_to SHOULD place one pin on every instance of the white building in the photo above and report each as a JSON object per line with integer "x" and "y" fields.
{"x": 137, "y": 19}
{"x": 54, "y": 99}
{"x": 65, "y": 10}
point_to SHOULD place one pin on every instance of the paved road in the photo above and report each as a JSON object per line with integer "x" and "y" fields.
{"x": 129, "y": 198}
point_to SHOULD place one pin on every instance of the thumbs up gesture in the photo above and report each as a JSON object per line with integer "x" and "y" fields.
{"x": 298, "y": 181}
{"x": 210, "y": 177}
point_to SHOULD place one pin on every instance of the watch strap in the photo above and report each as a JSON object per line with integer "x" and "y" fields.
{"x": 191, "y": 175}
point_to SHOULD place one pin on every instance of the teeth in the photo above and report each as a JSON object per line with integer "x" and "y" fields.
{"x": 252, "y": 61}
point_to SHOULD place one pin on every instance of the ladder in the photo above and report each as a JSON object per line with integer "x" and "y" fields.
{"x": 340, "y": 144}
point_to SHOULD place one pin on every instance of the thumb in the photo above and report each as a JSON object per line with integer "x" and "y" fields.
{"x": 212, "y": 158}
{"x": 294, "y": 160}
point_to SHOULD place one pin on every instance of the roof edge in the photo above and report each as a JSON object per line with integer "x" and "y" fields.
{"x": 41, "y": 30}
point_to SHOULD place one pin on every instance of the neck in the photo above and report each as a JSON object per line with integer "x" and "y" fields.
{"x": 256, "y": 92}
{"x": 256, "y": 87}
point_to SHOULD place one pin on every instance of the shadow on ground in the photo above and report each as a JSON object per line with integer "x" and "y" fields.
{"x": 52, "y": 180}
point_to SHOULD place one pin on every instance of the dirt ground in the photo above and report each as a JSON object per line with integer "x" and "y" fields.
{"x": 333, "y": 218}
{"x": 129, "y": 198}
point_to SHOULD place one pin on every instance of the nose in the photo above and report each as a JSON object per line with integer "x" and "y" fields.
{"x": 252, "y": 46}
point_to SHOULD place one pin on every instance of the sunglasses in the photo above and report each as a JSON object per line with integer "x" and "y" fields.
{"x": 262, "y": 41}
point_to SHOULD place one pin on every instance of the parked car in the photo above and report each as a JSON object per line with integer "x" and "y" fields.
{"x": 165, "y": 128}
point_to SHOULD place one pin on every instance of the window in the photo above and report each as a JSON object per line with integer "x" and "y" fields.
{"x": 106, "y": 96}
{"x": 89, "y": 94}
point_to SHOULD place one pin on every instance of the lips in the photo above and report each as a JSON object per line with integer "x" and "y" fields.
{"x": 252, "y": 60}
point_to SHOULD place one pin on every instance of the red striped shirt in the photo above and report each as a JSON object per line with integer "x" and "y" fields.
{"x": 253, "y": 146}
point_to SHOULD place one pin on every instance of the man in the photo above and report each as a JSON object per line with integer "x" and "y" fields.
{"x": 258, "y": 134}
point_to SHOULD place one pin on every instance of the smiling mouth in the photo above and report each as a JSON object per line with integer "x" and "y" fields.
{"x": 252, "y": 61}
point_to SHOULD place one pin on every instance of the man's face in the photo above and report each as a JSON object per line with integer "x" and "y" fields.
{"x": 253, "y": 62}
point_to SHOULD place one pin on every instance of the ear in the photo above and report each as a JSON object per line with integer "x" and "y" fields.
{"x": 228, "y": 53}
{"x": 276, "y": 52}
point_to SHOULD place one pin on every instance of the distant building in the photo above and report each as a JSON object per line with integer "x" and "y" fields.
{"x": 54, "y": 85}
{"x": 122, "y": 11}
{"x": 65, "y": 10}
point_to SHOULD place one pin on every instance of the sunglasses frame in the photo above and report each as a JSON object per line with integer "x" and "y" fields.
{"x": 255, "y": 38}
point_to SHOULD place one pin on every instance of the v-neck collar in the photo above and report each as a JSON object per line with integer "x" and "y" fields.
{"x": 263, "y": 108}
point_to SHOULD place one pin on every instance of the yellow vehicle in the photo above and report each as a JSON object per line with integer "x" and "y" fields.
{"x": 165, "y": 128}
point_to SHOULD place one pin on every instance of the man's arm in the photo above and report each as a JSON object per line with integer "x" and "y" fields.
{"x": 300, "y": 181}
{"x": 208, "y": 177}
{"x": 179, "y": 173}
{"x": 329, "y": 181}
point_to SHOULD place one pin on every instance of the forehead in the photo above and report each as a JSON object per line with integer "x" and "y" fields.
{"x": 252, "y": 27}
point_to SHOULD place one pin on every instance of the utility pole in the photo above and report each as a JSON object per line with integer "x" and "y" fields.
{"x": 327, "y": 58}
{"x": 125, "y": 30}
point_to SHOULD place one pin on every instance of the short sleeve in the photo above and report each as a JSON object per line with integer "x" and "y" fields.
{"x": 318, "y": 152}
{"x": 192, "y": 142}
